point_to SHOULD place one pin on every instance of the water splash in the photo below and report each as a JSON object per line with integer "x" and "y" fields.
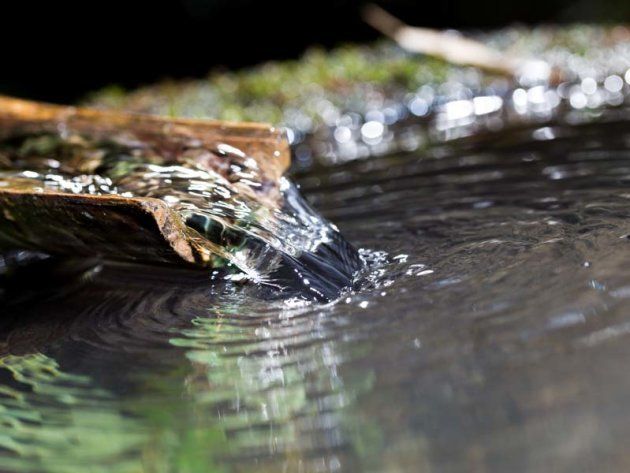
{"x": 265, "y": 231}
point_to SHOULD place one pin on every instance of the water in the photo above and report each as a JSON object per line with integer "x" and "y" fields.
{"x": 490, "y": 335}
{"x": 240, "y": 218}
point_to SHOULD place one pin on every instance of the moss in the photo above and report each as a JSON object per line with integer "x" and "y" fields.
{"x": 264, "y": 92}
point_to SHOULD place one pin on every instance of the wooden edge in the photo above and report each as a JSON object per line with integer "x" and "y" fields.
{"x": 266, "y": 144}
{"x": 118, "y": 228}
{"x": 39, "y": 111}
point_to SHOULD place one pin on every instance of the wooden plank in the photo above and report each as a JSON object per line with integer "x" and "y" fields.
{"x": 115, "y": 227}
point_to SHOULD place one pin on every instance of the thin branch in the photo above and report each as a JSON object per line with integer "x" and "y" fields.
{"x": 446, "y": 46}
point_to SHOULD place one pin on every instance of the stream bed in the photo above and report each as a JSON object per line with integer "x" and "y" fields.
{"x": 491, "y": 332}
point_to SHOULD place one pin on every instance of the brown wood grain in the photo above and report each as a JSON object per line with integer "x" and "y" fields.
{"x": 121, "y": 228}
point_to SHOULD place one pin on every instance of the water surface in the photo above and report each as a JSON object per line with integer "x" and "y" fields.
{"x": 491, "y": 333}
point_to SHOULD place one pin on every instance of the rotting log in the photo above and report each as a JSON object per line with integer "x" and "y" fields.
{"x": 140, "y": 229}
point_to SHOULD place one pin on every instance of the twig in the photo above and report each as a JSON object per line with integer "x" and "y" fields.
{"x": 449, "y": 47}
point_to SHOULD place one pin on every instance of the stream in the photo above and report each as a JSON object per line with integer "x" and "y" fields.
{"x": 488, "y": 332}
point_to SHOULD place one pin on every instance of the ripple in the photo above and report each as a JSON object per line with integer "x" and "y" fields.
{"x": 493, "y": 315}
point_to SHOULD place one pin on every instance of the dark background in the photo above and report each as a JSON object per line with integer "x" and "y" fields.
{"x": 60, "y": 50}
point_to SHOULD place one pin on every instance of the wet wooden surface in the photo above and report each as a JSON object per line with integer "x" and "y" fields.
{"x": 124, "y": 228}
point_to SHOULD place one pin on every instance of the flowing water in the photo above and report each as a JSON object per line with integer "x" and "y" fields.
{"x": 242, "y": 220}
{"x": 489, "y": 332}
